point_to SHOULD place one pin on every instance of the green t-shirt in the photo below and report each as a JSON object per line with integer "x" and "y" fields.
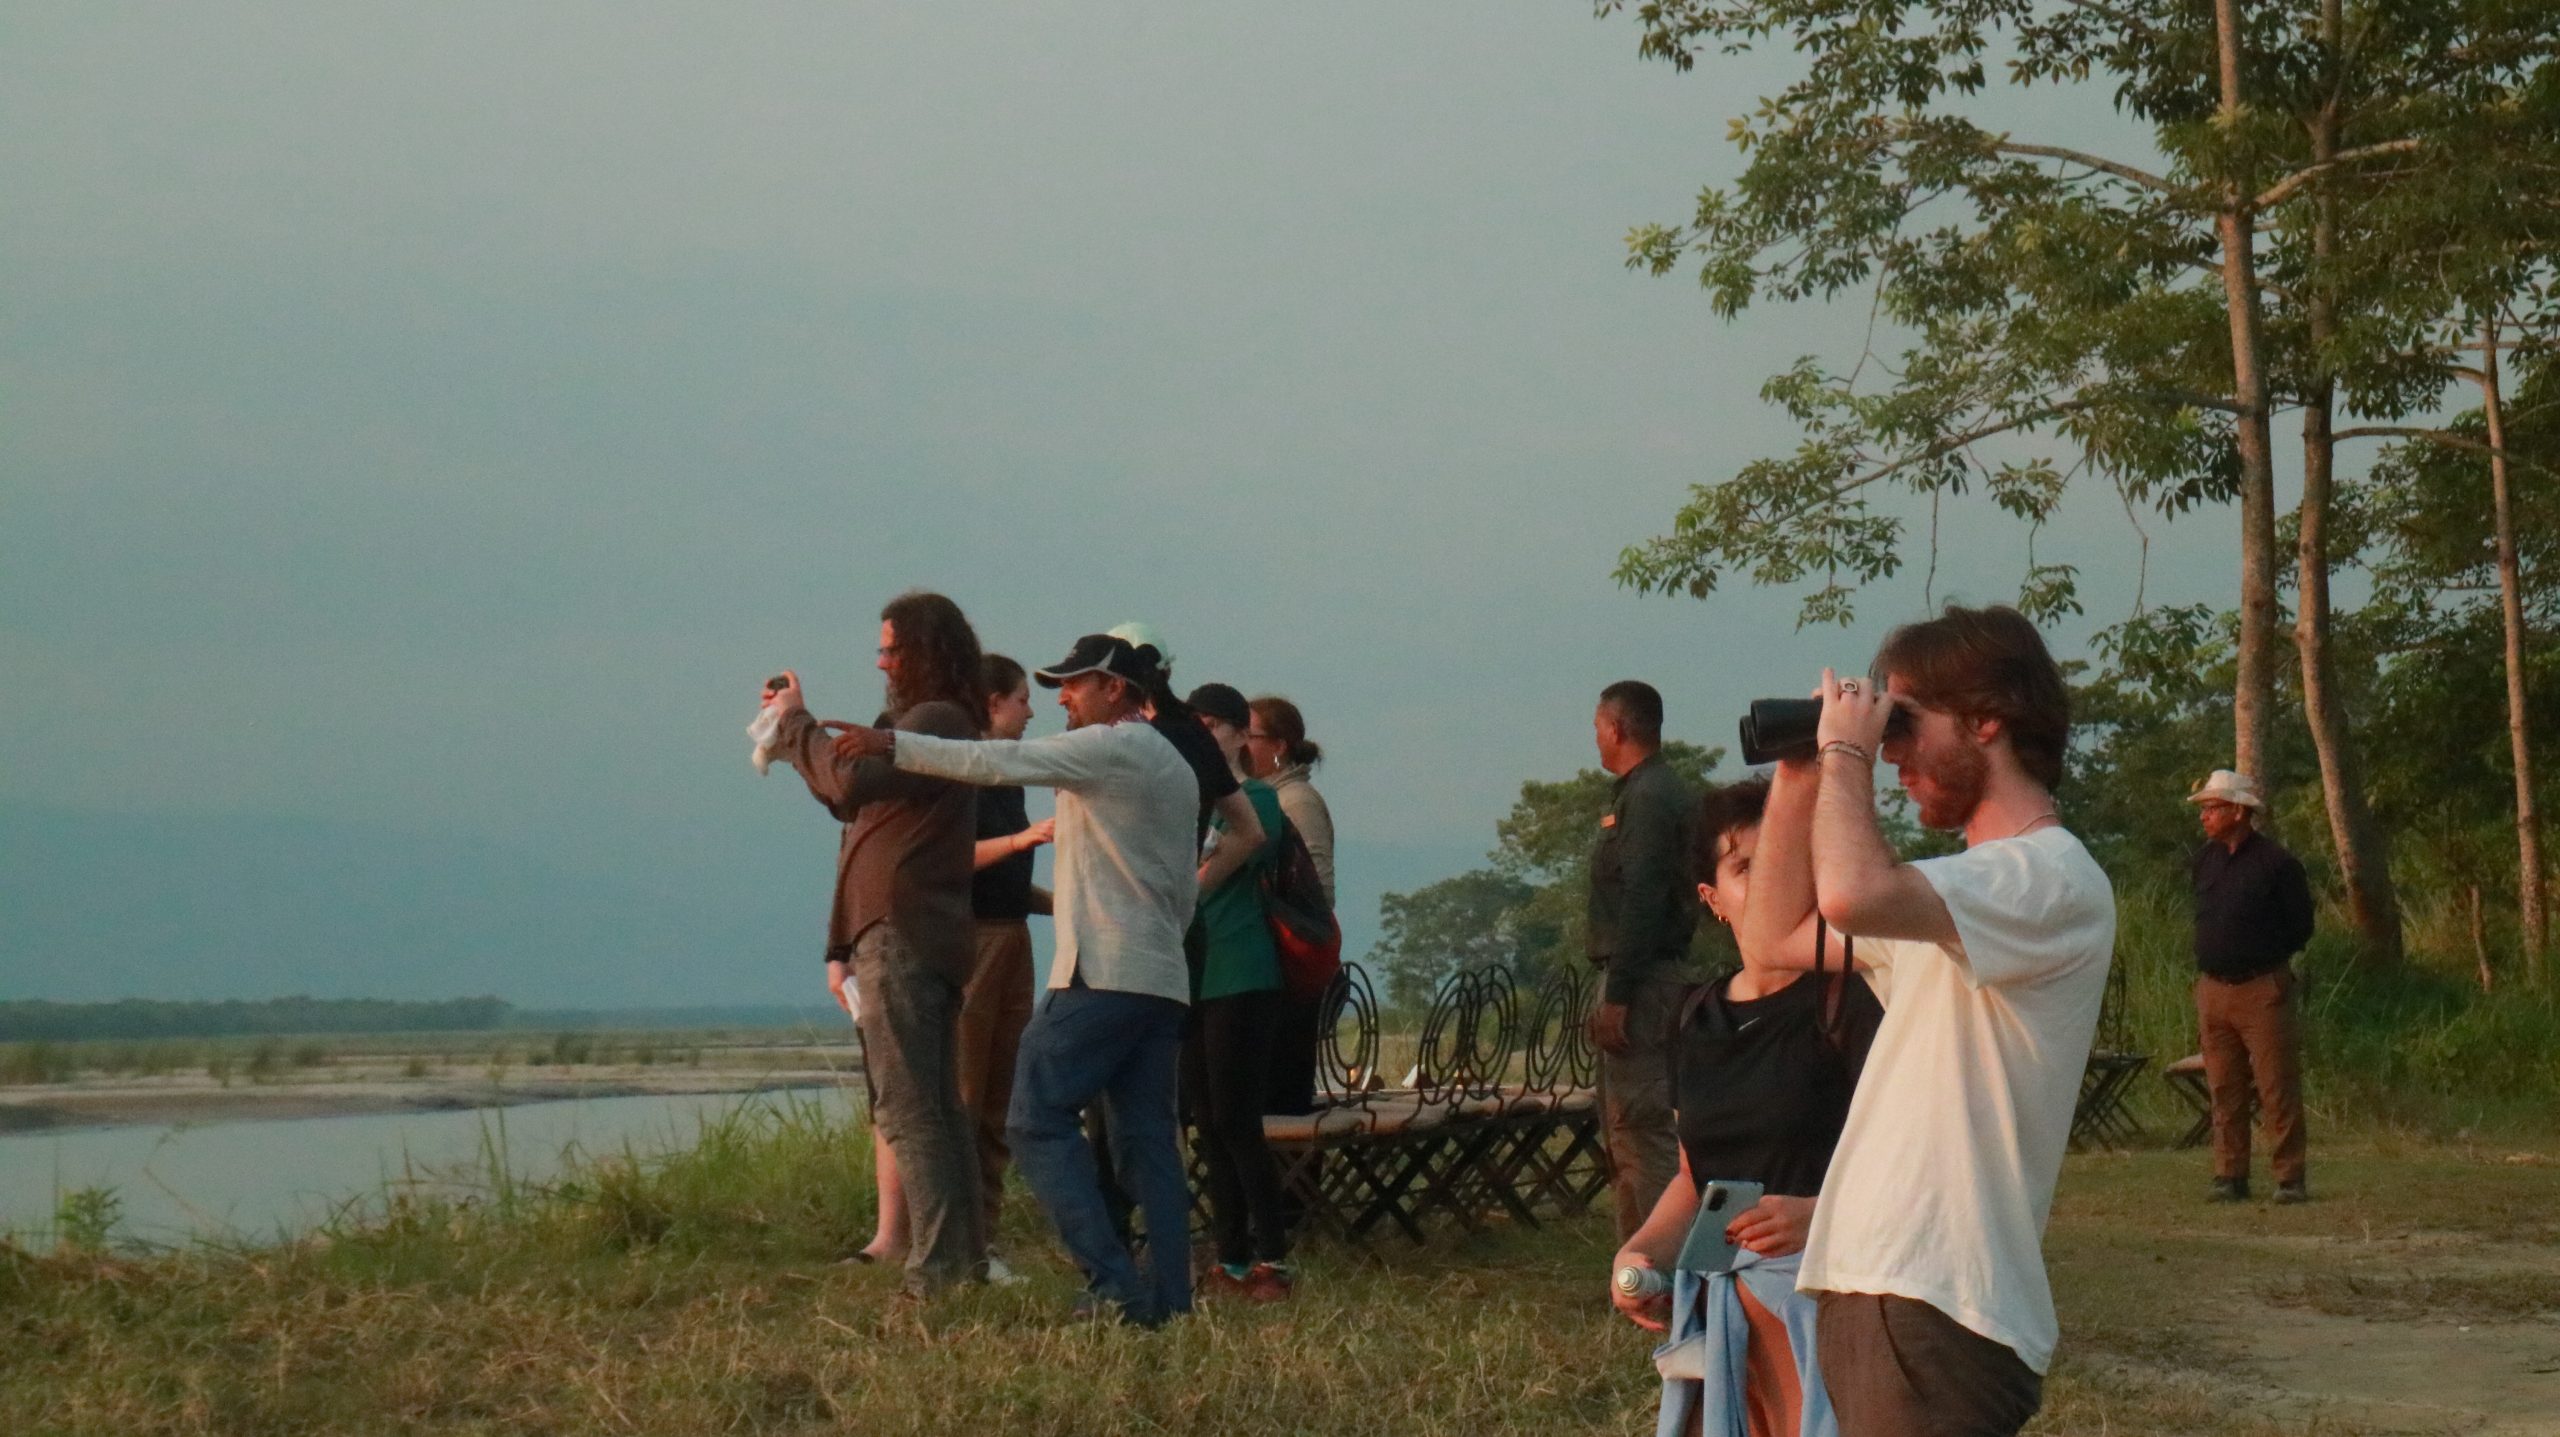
{"x": 1240, "y": 957}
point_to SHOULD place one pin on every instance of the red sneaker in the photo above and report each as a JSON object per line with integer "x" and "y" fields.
{"x": 1216, "y": 1281}
{"x": 1266, "y": 1283}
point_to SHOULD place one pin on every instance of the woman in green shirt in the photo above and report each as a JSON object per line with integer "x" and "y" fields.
{"x": 1235, "y": 1015}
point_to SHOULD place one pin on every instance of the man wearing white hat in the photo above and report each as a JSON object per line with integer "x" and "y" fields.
{"x": 2253, "y": 913}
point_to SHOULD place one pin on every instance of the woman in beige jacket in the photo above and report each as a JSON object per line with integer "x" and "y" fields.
{"x": 1279, "y": 753}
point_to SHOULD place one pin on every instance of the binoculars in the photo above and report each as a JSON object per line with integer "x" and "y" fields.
{"x": 1775, "y": 729}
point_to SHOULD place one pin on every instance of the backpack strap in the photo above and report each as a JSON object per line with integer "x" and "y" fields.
{"x": 1835, "y": 986}
{"x": 1694, "y": 1007}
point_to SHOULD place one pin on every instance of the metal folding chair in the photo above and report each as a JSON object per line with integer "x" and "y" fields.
{"x": 2101, "y": 1115}
{"x": 1330, "y": 1187}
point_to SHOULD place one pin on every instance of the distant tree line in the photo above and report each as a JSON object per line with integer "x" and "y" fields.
{"x": 33, "y": 1021}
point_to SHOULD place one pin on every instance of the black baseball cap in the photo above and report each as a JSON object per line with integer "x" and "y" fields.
{"x": 1097, "y": 653}
{"x": 1222, "y": 702}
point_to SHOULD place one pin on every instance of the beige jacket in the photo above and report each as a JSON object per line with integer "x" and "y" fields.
{"x": 1305, "y": 809}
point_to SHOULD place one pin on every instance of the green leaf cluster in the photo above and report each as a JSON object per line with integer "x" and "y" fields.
{"x": 2043, "y": 313}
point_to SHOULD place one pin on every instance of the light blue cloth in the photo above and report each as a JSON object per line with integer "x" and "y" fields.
{"x": 1710, "y": 1338}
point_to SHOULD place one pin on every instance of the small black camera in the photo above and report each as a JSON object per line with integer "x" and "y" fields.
{"x": 1776, "y": 729}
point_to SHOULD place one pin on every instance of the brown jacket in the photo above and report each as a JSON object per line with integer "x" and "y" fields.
{"x": 909, "y": 841}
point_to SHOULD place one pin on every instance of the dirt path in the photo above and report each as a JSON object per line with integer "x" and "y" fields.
{"x": 2427, "y": 1376}
{"x": 2425, "y": 1330}
{"x": 2417, "y": 1297}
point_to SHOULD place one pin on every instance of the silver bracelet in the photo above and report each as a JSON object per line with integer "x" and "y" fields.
{"x": 1842, "y": 745}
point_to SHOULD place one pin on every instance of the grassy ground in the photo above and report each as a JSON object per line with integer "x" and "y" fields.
{"x": 701, "y": 1295}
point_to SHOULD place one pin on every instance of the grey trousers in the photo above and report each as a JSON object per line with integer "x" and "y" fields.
{"x": 1635, "y": 1103}
{"x": 910, "y": 1011}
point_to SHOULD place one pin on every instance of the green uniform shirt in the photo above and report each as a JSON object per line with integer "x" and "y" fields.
{"x": 1240, "y": 957}
{"x": 1644, "y": 899}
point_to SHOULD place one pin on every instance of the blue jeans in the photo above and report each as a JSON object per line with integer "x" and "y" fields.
{"x": 1125, "y": 1049}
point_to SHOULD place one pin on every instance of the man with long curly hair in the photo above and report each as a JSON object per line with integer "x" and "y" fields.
{"x": 901, "y": 934}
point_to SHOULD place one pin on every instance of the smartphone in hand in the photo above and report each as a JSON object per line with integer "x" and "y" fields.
{"x": 1719, "y": 1203}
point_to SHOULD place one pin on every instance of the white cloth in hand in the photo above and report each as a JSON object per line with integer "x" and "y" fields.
{"x": 762, "y": 733}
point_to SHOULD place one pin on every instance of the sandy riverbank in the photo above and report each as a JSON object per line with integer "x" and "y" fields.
{"x": 342, "y": 1092}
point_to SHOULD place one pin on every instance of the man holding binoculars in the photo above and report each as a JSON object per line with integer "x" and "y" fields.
{"x": 1926, "y": 1251}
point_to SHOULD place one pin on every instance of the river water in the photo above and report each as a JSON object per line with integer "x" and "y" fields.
{"x": 262, "y": 1181}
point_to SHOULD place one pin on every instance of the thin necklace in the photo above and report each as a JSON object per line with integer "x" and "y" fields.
{"x": 2032, "y": 822}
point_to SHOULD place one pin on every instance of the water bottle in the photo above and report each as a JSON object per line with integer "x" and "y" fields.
{"x": 1640, "y": 1282}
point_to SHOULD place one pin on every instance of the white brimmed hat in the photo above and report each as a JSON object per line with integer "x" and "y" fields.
{"x": 1143, "y": 638}
{"x": 2227, "y": 786}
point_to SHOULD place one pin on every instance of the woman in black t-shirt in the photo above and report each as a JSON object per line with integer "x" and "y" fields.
{"x": 1765, "y": 1065}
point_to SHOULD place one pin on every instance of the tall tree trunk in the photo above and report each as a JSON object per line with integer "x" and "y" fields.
{"x": 2364, "y": 854}
{"x": 2253, "y": 701}
{"x": 2364, "y": 860}
{"x": 2511, "y": 606}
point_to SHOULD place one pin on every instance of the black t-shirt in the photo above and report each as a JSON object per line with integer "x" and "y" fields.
{"x": 1763, "y": 1091}
{"x": 1001, "y": 891}
{"x": 1190, "y": 738}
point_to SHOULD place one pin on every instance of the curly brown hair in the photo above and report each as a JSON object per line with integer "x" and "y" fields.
{"x": 1987, "y": 663}
{"x": 938, "y": 656}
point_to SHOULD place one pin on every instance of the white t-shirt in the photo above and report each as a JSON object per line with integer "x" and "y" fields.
{"x": 1944, "y": 1176}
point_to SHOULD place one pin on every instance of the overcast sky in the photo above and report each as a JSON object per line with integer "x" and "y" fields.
{"x": 442, "y": 415}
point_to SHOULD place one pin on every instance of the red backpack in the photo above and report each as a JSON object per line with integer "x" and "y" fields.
{"x": 1301, "y": 919}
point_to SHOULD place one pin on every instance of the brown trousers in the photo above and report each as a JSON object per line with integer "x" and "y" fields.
{"x": 1898, "y": 1368}
{"x": 2252, "y": 1030}
{"x": 994, "y": 1009}
{"x": 1635, "y": 1103}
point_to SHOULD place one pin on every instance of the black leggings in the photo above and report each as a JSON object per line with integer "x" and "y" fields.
{"x": 1293, "y": 1057}
{"x": 1226, "y": 1071}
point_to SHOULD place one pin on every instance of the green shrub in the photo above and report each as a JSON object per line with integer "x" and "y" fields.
{"x": 84, "y": 1219}
{"x": 34, "y": 1063}
{"x": 158, "y": 1059}
{"x": 2419, "y": 1044}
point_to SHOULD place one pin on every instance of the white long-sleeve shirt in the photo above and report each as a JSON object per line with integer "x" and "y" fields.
{"x": 1127, "y": 864}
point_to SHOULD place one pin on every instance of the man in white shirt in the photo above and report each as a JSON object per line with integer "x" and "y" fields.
{"x": 1110, "y": 1025}
{"x": 1927, "y": 1246}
